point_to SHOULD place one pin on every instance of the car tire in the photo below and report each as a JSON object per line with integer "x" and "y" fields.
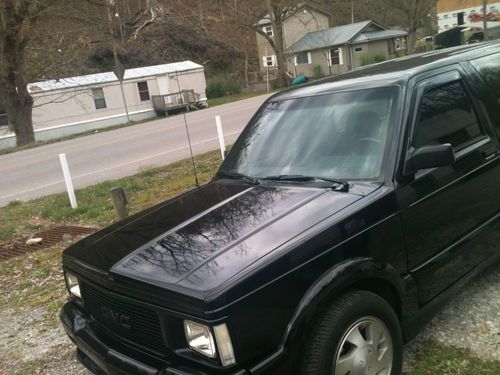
{"x": 359, "y": 333}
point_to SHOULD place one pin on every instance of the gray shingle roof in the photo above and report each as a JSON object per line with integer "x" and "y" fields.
{"x": 382, "y": 34}
{"x": 325, "y": 38}
{"x": 340, "y": 35}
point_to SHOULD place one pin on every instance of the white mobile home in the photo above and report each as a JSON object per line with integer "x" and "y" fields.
{"x": 78, "y": 104}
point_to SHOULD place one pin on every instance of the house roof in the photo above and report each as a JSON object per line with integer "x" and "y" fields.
{"x": 101, "y": 78}
{"x": 340, "y": 35}
{"x": 334, "y": 36}
{"x": 376, "y": 35}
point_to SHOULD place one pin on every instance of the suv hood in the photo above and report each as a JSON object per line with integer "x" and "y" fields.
{"x": 206, "y": 236}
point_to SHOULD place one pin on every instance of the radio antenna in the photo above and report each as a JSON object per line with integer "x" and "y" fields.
{"x": 187, "y": 130}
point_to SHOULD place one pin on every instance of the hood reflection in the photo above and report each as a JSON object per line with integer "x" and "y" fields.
{"x": 199, "y": 241}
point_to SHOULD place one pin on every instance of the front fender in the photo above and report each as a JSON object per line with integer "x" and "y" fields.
{"x": 333, "y": 282}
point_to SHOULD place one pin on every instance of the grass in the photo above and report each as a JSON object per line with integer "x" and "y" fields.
{"x": 20, "y": 219}
{"x": 33, "y": 281}
{"x": 438, "y": 359}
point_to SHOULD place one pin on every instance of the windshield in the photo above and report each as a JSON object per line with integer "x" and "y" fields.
{"x": 340, "y": 135}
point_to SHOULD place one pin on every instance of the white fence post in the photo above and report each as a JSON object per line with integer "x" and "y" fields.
{"x": 220, "y": 134}
{"x": 67, "y": 180}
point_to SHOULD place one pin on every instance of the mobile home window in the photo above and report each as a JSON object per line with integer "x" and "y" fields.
{"x": 3, "y": 117}
{"x": 99, "y": 100}
{"x": 143, "y": 90}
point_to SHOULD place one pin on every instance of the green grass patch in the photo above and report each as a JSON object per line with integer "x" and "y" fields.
{"x": 438, "y": 359}
{"x": 144, "y": 189}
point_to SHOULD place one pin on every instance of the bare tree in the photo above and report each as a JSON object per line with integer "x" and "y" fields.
{"x": 415, "y": 13}
{"x": 275, "y": 12}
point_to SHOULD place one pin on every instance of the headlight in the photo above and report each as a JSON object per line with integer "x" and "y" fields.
{"x": 73, "y": 285}
{"x": 199, "y": 338}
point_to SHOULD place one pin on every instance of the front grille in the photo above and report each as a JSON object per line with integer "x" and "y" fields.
{"x": 131, "y": 321}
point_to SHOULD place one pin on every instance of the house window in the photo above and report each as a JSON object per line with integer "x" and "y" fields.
{"x": 358, "y": 49}
{"x": 335, "y": 56}
{"x": 446, "y": 16}
{"x": 268, "y": 30}
{"x": 143, "y": 90}
{"x": 302, "y": 58}
{"x": 446, "y": 27}
{"x": 269, "y": 60}
{"x": 99, "y": 100}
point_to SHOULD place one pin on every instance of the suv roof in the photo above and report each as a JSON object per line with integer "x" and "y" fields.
{"x": 392, "y": 71}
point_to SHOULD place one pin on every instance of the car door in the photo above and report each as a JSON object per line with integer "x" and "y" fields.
{"x": 442, "y": 209}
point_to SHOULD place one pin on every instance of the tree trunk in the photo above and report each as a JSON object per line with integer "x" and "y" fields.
{"x": 21, "y": 119}
{"x": 19, "y": 111}
{"x": 412, "y": 40}
{"x": 279, "y": 49}
{"x": 412, "y": 33}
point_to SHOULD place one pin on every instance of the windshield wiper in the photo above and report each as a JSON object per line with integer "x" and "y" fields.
{"x": 344, "y": 186}
{"x": 238, "y": 176}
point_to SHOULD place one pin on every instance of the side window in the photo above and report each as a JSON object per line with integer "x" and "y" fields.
{"x": 446, "y": 115}
{"x": 489, "y": 68}
{"x": 143, "y": 90}
{"x": 99, "y": 100}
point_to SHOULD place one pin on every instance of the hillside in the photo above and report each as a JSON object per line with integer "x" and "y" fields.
{"x": 74, "y": 38}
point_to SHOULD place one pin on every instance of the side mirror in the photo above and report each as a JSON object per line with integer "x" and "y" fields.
{"x": 431, "y": 157}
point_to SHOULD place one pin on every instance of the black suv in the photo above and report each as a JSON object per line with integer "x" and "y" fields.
{"x": 346, "y": 213}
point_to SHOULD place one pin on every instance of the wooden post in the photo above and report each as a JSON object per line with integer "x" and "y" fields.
{"x": 120, "y": 202}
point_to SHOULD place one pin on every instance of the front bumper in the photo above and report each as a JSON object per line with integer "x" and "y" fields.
{"x": 101, "y": 359}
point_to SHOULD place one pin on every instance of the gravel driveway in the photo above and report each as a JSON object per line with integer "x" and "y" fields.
{"x": 34, "y": 343}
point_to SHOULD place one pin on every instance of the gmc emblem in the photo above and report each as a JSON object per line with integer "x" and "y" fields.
{"x": 117, "y": 318}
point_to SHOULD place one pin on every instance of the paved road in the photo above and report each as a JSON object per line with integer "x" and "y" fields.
{"x": 109, "y": 155}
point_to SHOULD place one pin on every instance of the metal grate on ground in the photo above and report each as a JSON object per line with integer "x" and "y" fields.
{"x": 49, "y": 237}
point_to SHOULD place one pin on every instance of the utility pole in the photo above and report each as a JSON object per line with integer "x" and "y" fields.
{"x": 352, "y": 11}
{"x": 485, "y": 21}
{"x": 119, "y": 70}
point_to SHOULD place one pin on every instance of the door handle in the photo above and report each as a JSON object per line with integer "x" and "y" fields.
{"x": 490, "y": 154}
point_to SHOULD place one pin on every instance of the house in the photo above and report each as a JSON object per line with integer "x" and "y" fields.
{"x": 300, "y": 20}
{"x": 342, "y": 48}
{"x": 452, "y": 13}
